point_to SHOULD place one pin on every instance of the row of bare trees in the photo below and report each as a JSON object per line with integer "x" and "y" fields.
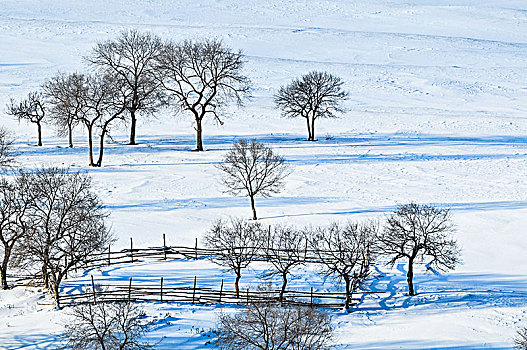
{"x": 138, "y": 73}
{"x": 345, "y": 253}
{"x": 51, "y": 221}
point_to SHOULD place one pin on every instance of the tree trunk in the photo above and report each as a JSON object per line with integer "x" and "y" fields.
{"x": 3, "y": 276}
{"x": 309, "y": 137}
{"x": 253, "y": 208}
{"x": 132, "y": 127}
{"x": 39, "y": 128}
{"x": 101, "y": 149}
{"x": 70, "y": 135}
{"x": 237, "y": 283}
{"x": 90, "y": 145}
{"x": 56, "y": 294}
{"x": 347, "y": 302}
{"x": 199, "y": 140}
{"x": 3, "y": 268}
{"x": 410, "y": 277}
{"x": 284, "y": 284}
{"x": 45, "y": 278}
{"x": 313, "y": 129}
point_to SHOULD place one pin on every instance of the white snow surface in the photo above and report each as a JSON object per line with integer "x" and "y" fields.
{"x": 437, "y": 114}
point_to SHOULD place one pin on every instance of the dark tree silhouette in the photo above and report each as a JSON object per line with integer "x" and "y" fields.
{"x": 346, "y": 253}
{"x": 104, "y": 104}
{"x": 7, "y": 152}
{"x": 419, "y": 233}
{"x": 269, "y": 326}
{"x": 130, "y": 60}
{"x": 14, "y": 225}
{"x": 254, "y": 170}
{"x": 520, "y": 341}
{"x": 285, "y": 249}
{"x": 107, "y": 326}
{"x": 312, "y": 96}
{"x": 65, "y": 93}
{"x": 202, "y": 77}
{"x": 238, "y": 243}
{"x": 67, "y": 222}
{"x": 32, "y": 109}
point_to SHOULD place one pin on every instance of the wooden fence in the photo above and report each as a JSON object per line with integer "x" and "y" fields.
{"x": 192, "y": 294}
{"x": 197, "y": 295}
{"x": 132, "y": 255}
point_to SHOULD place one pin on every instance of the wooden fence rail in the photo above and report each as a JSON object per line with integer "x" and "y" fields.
{"x": 136, "y": 255}
{"x": 199, "y": 295}
{"x": 194, "y": 294}
{"x": 132, "y": 255}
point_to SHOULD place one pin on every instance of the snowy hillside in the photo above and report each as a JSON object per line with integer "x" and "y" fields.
{"x": 437, "y": 114}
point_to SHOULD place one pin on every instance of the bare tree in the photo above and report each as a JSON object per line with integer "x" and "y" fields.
{"x": 202, "y": 77}
{"x": 346, "y": 253}
{"x": 107, "y": 326}
{"x": 312, "y": 96}
{"x": 65, "y": 93}
{"x": 31, "y": 109}
{"x": 7, "y": 152}
{"x": 254, "y": 170}
{"x": 104, "y": 104}
{"x": 418, "y": 233}
{"x": 130, "y": 59}
{"x": 68, "y": 224}
{"x": 237, "y": 243}
{"x": 268, "y": 326}
{"x": 14, "y": 203}
{"x": 285, "y": 249}
{"x": 520, "y": 341}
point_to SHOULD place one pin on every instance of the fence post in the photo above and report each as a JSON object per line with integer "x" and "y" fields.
{"x": 194, "y": 290}
{"x": 311, "y": 296}
{"x": 221, "y": 291}
{"x": 132, "y": 248}
{"x": 161, "y": 287}
{"x": 247, "y": 295}
{"x": 130, "y": 290}
{"x": 196, "y": 249}
{"x": 164, "y": 246}
{"x": 93, "y": 290}
{"x": 268, "y": 238}
{"x": 109, "y": 254}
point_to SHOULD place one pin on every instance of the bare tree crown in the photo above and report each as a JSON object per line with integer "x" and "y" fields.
{"x": 285, "y": 249}
{"x": 202, "y": 77}
{"x": 7, "y": 152}
{"x": 237, "y": 242}
{"x": 419, "y": 233}
{"x": 109, "y": 326}
{"x": 269, "y": 326}
{"x": 14, "y": 225}
{"x": 345, "y": 253}
{"x": 65, "y": 93}
{"x": 68, "y": 223}
{"x": 312, "y": 96}
{"x": 32, "y": 109}
{"x": 254, "y": 169}
{"x": 130, "y": 59}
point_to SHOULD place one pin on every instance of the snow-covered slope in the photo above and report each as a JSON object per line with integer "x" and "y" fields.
{"x": 437, "y": 114}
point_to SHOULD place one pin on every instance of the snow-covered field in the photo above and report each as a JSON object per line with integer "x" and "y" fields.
{"x": 437, "y": 114}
